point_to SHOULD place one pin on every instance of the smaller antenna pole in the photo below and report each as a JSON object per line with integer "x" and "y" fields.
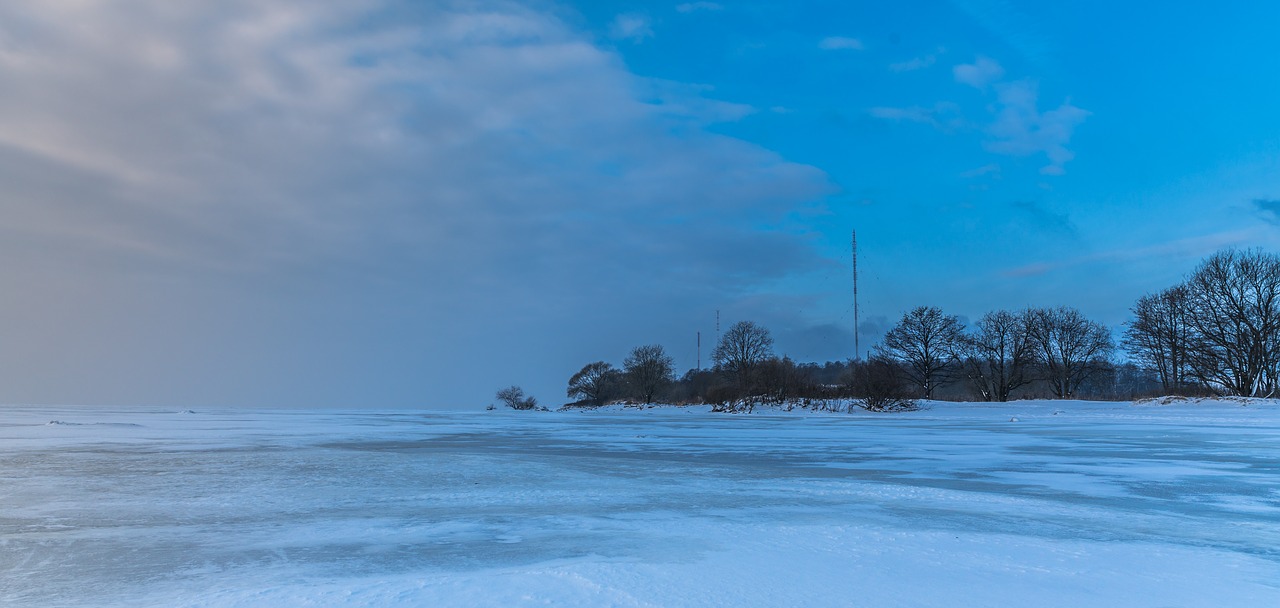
{"x": 857, "y": 350}
{"x": 699, "y": 351}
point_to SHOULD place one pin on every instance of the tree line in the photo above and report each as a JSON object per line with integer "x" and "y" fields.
{"x": 1216, "y": 333}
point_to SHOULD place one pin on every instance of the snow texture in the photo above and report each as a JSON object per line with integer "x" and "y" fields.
{"x": 1171, "y": 503}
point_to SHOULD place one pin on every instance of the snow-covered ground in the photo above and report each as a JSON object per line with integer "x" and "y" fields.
{"x": 1072, "y": 504}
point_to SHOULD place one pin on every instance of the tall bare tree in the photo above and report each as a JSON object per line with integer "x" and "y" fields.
{"x": 928, "y": 343}
{"x": 595, "y": 382}
{"x": 1234, "y": 302}
{"x": 648, "y": 369}
{"x": 741, "y": 351}
{"x": 1070, "y": 347}
{"x": 1159, "y": 338}
{"x": 998, "y": 354}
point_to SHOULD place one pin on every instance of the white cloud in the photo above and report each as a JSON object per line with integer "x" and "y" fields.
{"x": 189, "y": 182}
{"x": 917, "y": 63}
{"x": 631, "y": 26}
{"x": 978, "y": 74}
{"x": 275, "y": 117}
{"x": 1017, "y": 127}
{"x": 1020, "y": 129}
{"x": 988, "y": 169}
{"x": 840, "y": 43}
{"x": 942, "y": 115}
{"x": 689, "y": 7}
{"x": 910, "y": 114}
{"x": 689, "y": 102}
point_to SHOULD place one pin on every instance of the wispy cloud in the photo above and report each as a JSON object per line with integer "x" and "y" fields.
{"x": 688, "y": 102}
{"x": 942, "y": 115}
{"x": 690, "y": 7}
{"x": 1017, "y": 126}
{"x": 988, "y": 169}
{"x": 917, "y": 63}
{"x": 1044, "y": 218}
{"x": 909, "y": 114}
{"x": 978, "y": 74}
{"x": 1021, "y": 129}
{"x": 1268, "y": 210}
{"x": 1190, "y": 248}
{"x": 631, "y": 26}
{"x": 840, "y": 43}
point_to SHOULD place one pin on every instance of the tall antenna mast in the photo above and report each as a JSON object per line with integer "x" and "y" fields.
{"x": 857, "y": 350}
{"x": 699, "y": 351}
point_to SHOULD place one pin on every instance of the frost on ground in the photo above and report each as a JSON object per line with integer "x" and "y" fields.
{"x": 1028, "y": 503}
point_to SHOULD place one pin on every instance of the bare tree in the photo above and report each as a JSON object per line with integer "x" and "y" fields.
{"x": 514, "y": 398}
{"x": 741, "y": 350}
{"x": 595, "y": 382}
{"x": 1070, "y": 347}
{"x": 1160, "y": 336}
{"x": 648, "y": 370}
{"x": 998, "y": 354}
{"x": 1234, "y": 302}
{"x": 927, "y": 342}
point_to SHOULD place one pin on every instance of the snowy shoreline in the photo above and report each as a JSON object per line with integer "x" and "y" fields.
{"x": 850, "y": 406}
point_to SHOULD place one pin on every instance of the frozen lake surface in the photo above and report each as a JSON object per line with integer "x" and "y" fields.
{"x": 1072, "y": 504}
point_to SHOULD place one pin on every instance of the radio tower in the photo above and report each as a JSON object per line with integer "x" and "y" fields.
{"x": 857, "y": 351}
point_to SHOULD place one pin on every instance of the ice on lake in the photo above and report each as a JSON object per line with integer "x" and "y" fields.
{"x": 1028, "y": 503}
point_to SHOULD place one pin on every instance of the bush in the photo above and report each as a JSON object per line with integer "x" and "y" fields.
{"x": 879, "y": 386}
{"x": 514, "y": 398}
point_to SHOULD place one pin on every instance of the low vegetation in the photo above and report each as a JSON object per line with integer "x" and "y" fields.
{"x": 515, "y": 398}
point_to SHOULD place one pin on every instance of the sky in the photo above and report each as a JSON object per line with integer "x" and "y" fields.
{"x": 403, "y": 203}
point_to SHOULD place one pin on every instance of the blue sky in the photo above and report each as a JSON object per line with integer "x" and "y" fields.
{"x": 390, "y": 203}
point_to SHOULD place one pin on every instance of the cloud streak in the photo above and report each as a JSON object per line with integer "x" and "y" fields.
{"x": 631, "y": 26}
{"x": 1190, "y": 248}
{"x": 979, "y": 74}
{"x": 840, "y": 43}
{"x": 693, "y": 7}
{"x": 1268, "y": 210}
{"x": 943, "y": 115}
{"x": 917, "y": 63}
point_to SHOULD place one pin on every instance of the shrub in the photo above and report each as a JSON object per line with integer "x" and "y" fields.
{"x": 514, "y": 398}
{"x": 879, "y": 386}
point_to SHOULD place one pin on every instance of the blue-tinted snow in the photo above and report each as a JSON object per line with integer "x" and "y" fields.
{"x": 1073, "y": 504}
